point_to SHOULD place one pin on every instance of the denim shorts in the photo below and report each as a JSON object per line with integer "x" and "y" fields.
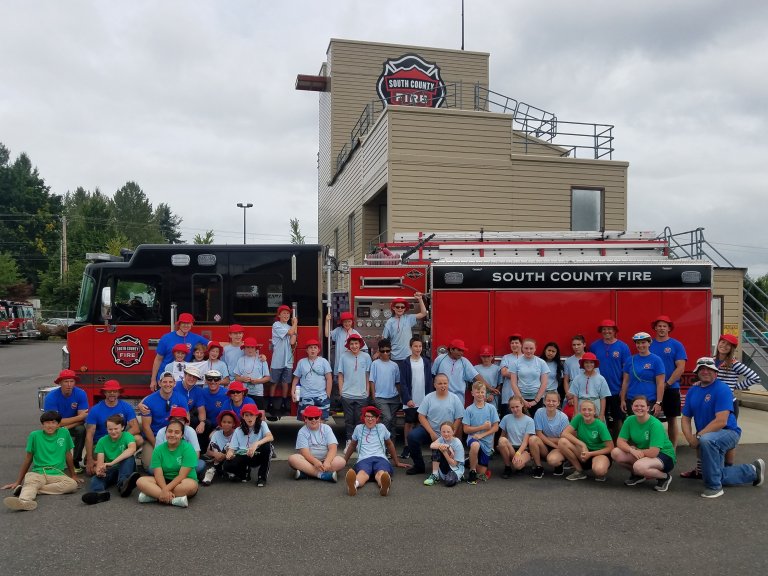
{"x": 280, "y": 375}
{"x": 372, "y": 465}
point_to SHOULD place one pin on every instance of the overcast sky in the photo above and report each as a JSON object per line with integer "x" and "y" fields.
{"x": 195, "y": 100}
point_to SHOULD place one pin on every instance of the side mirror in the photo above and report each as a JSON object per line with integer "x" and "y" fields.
{"x": 106, "y": 304}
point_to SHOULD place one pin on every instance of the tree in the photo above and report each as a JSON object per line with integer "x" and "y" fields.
{"x": 207, "y": 239}
{"x": 134, "y": 217}
{"x": 9, "y": 272}
{"x": 296, "y": 236}
{"x": 168, "y": 223}
{"x": 58, "y": 294}
{"x": 90, "y": 222}
{"x": 117, "y": 243}
{"x": 757, "y": 295}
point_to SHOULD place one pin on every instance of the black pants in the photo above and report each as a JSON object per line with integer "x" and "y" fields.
{"x": 241, "y": 464}
{"x": 78, "y": 437}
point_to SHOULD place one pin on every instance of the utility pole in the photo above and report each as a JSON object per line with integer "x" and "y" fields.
{"x": 64, "y": 264}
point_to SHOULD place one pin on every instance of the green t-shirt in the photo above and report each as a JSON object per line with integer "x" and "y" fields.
{"x": 113, "y": 448}
{"x": 49, "y": 451}
{"x": 594, "y": 435}
{"x": 172, "y": 460}
{"x": 650, "y": 434}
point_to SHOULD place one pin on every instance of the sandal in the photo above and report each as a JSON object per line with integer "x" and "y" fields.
{"x": 691, "y": 475}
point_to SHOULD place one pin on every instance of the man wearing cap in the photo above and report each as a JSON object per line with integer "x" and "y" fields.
{"x": 179, "y": 413}
{"x": 71, "y": 402}
{"x": 188, "y": 388}
{"x": 182, "y": 335}
{"x": 613, "y": 355}
{"x": 672, "y": 353}
{"x": 339, "y": 336}
{"x": 213, "y": 397}
{"x": 459, "y": 370}
{"x": 399, "y": 327}
{"x": 313, "y": 374}
{"x": 156, "y": 411}
{"x": 237, "y": 398}
{"x": 437, "y": 407}
{"x": 96, "y": 421}
{"x": 643, "y": 376}
{"x": 354, "y": 370}
{"x": 710, "y": 405}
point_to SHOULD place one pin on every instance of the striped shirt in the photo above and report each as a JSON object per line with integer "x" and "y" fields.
{"x": 731, "y": 375}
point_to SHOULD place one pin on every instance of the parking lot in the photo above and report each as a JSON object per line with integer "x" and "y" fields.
{"x": 522, "y": 525}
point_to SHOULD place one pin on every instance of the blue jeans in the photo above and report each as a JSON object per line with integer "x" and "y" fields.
{"x": 712, "y": 449}
{"x": 115, "y": 475}
{"x": 416, "y": 438}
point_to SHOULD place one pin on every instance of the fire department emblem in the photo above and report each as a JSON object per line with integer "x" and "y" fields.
{"x": 411, "y": 81}
{"x": 127, "y": 351}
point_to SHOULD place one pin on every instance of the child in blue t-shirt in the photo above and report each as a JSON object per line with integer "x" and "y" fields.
{"x": 219, "y": 444}
{"x": 250, "y": 447}
{"x": 447, "y": 457}
{"x": 481, "y": 422}
{"x": 283, "y": 343}
{"x": 516, "y": 430}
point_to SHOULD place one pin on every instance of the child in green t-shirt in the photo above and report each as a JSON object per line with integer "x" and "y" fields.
{"x": 49, "y": 454}
{"x": 115, "y": 462}
{"x": 587, "y": 444}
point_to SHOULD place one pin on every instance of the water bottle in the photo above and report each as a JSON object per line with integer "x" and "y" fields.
{"x": 297, "y": 393}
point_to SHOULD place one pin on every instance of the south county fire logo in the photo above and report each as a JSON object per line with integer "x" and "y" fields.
{"x": 411, "y": 81}
{"x": 127, "y": 351}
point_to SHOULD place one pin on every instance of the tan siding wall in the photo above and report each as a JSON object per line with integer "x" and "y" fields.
{"x": 729, "y": 283}
{"x": 356, "y": 66}
{"x": 462, "y": 161}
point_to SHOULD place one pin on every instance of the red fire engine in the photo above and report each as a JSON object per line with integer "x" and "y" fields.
{"x": 21, "y": 319}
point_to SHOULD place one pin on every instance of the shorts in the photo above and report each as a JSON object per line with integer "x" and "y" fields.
{"x": 280, "y": 375}
{"x": 411, "y": 415}
{"x": 322, "y": 402}
{"x": 666, "y": 461}
{"x": 613, "y": 409}
{"x": 372, "y": 465}
{"x": 588, "y": 464}
{"x": 670, "y": 403}
{"x": 483, "y": 459}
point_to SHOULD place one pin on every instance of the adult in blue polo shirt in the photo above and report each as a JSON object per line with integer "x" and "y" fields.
{"x": 710, "y": 405}
{"x": 156, "y": 411}
{"x": 72, "y": 403}
{"x": 613, "y": 355}
{"x": 458, "y": 369}
{"x": 643, "y": 376}
{"x": 188, "y": 388}
{"x": 673, "y": 354}
{"x": 237, "y": 398}
{"x": 182, "y": 335}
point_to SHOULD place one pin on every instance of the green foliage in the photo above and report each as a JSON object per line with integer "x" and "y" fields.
{"x": 134, "y": 216}
{"x": 168, "y": 223}
{"x": 9, "y": 272}
{"x": 59, "y": 294}
{"x": 296, "y": 236}
{"x": 207, "y": 239}
{"x": 90, "y": 222}
{"x": 757, "y": 295}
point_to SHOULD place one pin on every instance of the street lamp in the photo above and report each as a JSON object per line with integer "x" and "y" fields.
{"x": 244, "y": 207}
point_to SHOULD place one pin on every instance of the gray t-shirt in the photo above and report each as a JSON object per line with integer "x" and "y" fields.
{"x": 438, "y": 410}
{"x": 316, "y": 441}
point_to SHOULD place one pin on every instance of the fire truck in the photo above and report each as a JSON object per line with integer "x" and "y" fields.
{"x": 479, "y": 287}
{"x": 5, "y": 332}
{"x": 21, "y": 318}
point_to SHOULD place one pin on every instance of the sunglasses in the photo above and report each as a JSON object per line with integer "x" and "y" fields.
{"x": 400, "y": 307}
{"x": 385, "y": 350}
{"x": 212, "y": 378}
{"x": 312, "y": 418}
{"x": 236, "y": 392}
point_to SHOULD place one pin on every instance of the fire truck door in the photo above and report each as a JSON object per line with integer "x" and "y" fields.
{"x": 464, "y": 315}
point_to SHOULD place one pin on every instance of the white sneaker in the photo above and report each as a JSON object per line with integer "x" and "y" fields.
{"x": 209, "y": 475}
{"x": 143, "y": 498}
{"x": 14, "y": 503}
{"x": 180, "y": 501}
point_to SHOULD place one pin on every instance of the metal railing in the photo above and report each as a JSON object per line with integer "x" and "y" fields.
{"x": 531, "y": 126}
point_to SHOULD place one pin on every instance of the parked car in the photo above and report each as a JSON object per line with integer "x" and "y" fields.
{"x": 53, "y": 323}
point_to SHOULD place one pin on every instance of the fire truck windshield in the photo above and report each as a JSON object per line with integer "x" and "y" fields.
{"x": 86, "y": 298}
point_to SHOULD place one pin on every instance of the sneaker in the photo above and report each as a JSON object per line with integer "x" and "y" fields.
{"x": 507, "y": 472}
{"x": 126, "y": 488}
{"x": 662, "y": 484}
{"x": 261, "y": 482}
{"x": 600, "y": 478}
{"x": 567, "y": 466}
{"x": 472, "y": 478}
{"x": 413, "y": 471}
{"x": 144, "y": 499}
{"x": 299, "y": 475}
{"x": 95, "y": 497}
{"x": 273, "y": 456}
{"x": 634, "y": 480}
{"x": 210, "y": 473}
{"x": 180, "y": 501}
{"x": 79, "y": 469}
{"x": 558, "y": 471}
{"x": 14, "y": 503}
{"x": 487, "y": 476}
{"x": 17, "y": 491}
{"x": 576, "y": 475}
{"x": 350, "y": 479}
{"x": 538, "y": 472}
{"x": 694, "y": 474}
{"x": 712, "y": 493}
{"x": 431, "y": 480}
{"x": 386, "y": 480}
{"x": 328, "y": 476}
{"x": 405, "y": 454}
{"x": 759, "y": 465}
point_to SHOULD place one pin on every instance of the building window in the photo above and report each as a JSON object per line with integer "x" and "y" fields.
{"x": 351, "y": 232}
{"x": 586, "y": 209}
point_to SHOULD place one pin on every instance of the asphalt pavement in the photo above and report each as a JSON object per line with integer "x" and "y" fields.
{"x": 521, "y": 525}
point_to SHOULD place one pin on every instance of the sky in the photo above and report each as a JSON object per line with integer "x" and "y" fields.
{"x": 194, "y": 100}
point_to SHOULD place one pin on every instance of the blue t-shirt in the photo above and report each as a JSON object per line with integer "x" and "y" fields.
{"x": 168, "y": 341}
{"x": 371, "y": 441}
{"x": 550, "y": 428}
{"x": 231, "y": 355}
{"x": 219, "y": 441}
{"x": 612, "y": 358}
{"x": 475, "y": 416}
{"x": 97, "y": 416}
{"x": 252, "y": 367}
{"x": 670, "y": 351}
{"x": 68, "y": 406}
{"x": 339, "y": 337}
{"x": 192, "y": 395}
{"x": 160, "y": 409}
{"x": 236, "y": 409}
{"x": 517, "y": 428}
{"x": 282, "y": 354}
{"x": 385, "y": 376}
{"x": 458, "y": 454}
{"x": 552, "y": 382}
{"x": 317, "y": 441}
{"x": 400, "y": 331}
{"x": 529, "y": 371}
{"x": 509, "y": 361}
{"x": 242, "y": 441}
{"x": 702, "y": 403}
{"x": 219, "y": 365}
{"x": 642, "y": 372}
{"x": 355, "y": 370}
{"x": 459, "y": 372}
{"x": 491, "y": 374}
{"x": 589, "y": 388}
{"x": 214, "y": 403}
{"x": 438, "y": 410}
{"x": 311, "y": 376}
